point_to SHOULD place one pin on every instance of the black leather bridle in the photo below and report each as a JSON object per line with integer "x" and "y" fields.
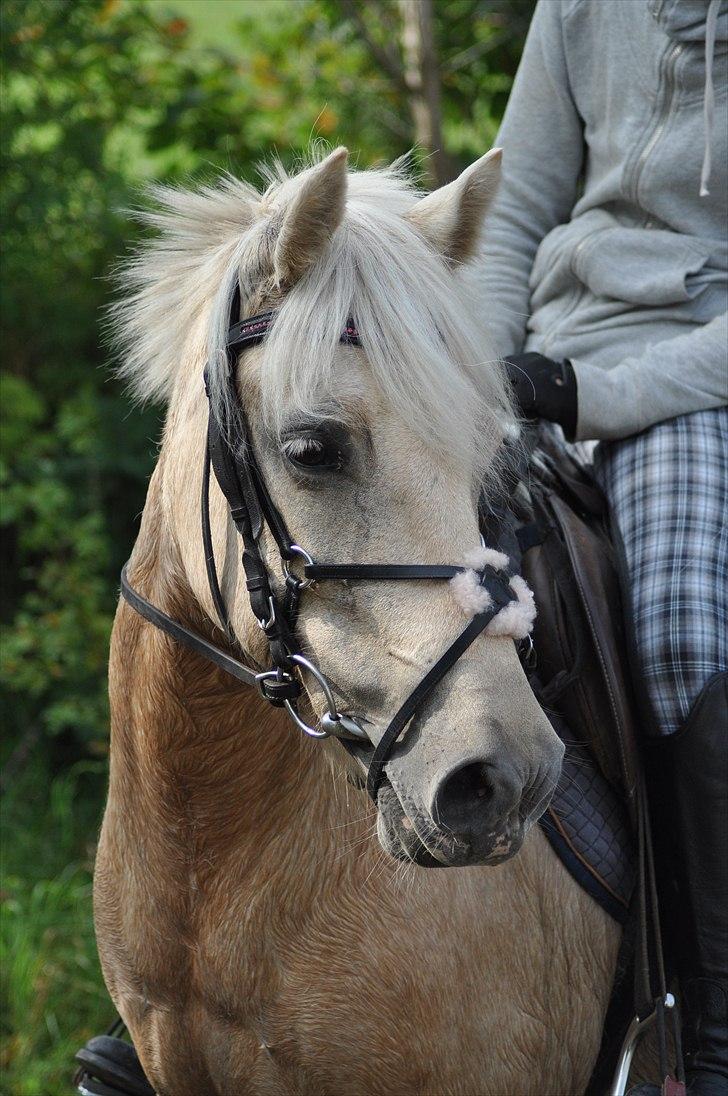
{"x": 230, "y": 454}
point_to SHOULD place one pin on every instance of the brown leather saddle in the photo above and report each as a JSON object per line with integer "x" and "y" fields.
{"x": 585, "y": 673}
{"x": 553, "y": 521}
{"x": 582, "y": 650}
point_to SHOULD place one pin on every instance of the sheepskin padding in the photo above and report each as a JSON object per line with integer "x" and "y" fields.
{"x": 515, "y": 619}
{"x": 482, "y": 557}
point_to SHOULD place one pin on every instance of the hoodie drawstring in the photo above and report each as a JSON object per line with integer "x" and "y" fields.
{"x": 711, "y": 23}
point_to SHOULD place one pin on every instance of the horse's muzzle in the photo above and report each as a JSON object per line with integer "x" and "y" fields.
{"x": 479, "y": 813}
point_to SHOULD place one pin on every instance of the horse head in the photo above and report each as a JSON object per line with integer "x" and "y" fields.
{"x": 373, "y": 453}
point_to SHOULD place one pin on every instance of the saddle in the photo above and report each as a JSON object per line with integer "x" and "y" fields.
{"x": 553, "y": 522}
{"x": 556, "y": 525}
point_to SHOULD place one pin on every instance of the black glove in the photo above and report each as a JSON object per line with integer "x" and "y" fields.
{"x": 544, "y": 389}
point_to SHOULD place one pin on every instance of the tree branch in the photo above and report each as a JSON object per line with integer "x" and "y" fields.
{"x": 422, "y": 76}
{"x": 387, "y": 59}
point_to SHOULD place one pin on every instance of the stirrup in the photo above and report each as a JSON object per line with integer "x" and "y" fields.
{"x": 635, "y": 1031}
{"x": 110, "y": 1067}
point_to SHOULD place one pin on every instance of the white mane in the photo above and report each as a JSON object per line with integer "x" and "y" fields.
{"x": 428, "y": 354}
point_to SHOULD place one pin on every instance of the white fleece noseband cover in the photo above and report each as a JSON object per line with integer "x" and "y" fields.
{"x": 516, "y": 619}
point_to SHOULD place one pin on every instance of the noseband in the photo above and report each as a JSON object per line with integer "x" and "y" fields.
{"x": 229, "y": 453}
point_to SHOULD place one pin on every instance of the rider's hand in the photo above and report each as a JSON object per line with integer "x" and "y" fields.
{"x": 544, "y": 389}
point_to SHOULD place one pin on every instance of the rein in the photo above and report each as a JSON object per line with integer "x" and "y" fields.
{"x": 230, "y": 455}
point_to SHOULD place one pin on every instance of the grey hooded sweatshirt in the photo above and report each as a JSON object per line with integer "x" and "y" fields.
{"x": 600, "y": 246}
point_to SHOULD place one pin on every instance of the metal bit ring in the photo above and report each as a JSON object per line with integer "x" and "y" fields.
{"x": 290, "y": 577}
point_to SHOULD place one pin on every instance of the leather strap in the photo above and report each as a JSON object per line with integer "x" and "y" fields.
{"x": 248, "y": 332}
{"x": 433, "y": 677}
{"x": 274, "y": 518}
{"x": 253, "y": 330}
{"x": 233, "y": 476}
{"x": 244, "y": 488}
{"x": 183, "y": 635}
{"x": 212, "y": 579}
{"x": 275, "y": 690}
{"x": 365, "y": 571}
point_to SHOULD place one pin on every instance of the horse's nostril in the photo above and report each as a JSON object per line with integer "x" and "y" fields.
{"x": 463, "y": 795}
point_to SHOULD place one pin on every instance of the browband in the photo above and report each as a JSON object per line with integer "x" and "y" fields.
{"x": 250, "y": 332}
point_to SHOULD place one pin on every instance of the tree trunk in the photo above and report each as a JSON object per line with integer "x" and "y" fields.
{"x": 422, "y": 77}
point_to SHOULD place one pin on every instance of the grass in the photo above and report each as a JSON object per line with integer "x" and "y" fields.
{"x": 53, "y": 996}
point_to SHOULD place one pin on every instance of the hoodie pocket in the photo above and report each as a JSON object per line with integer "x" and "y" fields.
{"x": 551, "y": 273}
{"x": 642, "y": 266}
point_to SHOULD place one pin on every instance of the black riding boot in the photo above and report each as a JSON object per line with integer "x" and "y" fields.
{"x": 688, "y": 772}
{"x": 697, "y": 802}
{"x": 689, "y": 776}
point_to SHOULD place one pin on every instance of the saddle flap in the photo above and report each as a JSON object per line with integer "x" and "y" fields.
{"x": 579, "y": 635}
{"x": 599, "y": 593}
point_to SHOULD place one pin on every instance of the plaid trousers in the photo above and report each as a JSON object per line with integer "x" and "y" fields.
{"x": 668, "y": 494}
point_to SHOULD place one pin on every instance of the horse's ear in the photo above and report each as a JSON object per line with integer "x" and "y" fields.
{"x": 451, "y": 217}
{"x": 311, "y": 218}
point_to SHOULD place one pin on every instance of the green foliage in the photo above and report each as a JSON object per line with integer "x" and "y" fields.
{"x": 99, "y": 96}
{"x": 52, "y": 998}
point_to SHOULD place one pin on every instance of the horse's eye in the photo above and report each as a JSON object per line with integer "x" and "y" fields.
{"x": 314, "y": 452}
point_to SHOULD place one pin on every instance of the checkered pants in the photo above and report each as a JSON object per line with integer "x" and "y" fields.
{"x": 668, "y": 493}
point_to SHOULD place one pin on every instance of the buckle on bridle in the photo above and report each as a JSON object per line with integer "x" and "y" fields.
{"x": 527, "y": 653}
{"x": 278, "y": 687}
{"x": 267, "y": 625}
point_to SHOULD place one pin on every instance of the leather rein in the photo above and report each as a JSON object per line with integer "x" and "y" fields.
{"x": 230, "y": 455}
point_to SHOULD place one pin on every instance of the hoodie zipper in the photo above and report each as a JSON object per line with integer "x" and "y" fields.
{"x": 669, "y": 70}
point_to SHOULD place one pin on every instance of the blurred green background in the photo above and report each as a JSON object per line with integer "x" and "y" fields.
{"x": 100, "y": 96}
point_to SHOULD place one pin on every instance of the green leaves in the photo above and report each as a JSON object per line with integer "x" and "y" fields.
{"x": 52, "y": 997}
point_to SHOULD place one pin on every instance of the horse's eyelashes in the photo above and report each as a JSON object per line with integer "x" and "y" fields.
{"x": 311, "y": 452}
{"x": 318, "y": 451}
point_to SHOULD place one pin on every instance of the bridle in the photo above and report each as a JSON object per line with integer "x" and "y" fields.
{"x": 230, "y": 454}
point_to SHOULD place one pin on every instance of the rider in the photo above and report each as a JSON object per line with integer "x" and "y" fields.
{"x": 605, "y": 280}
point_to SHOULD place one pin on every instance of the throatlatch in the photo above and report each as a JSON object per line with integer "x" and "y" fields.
{"x": 485, "y": 590}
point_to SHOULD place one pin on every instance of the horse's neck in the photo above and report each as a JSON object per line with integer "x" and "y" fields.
{"x": 192, "y": 748}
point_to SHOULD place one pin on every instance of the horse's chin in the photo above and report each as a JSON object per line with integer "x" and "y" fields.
{"x": 411, "y": 837}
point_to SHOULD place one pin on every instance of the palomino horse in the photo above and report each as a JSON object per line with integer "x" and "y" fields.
{"x": 254, "y": 934}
